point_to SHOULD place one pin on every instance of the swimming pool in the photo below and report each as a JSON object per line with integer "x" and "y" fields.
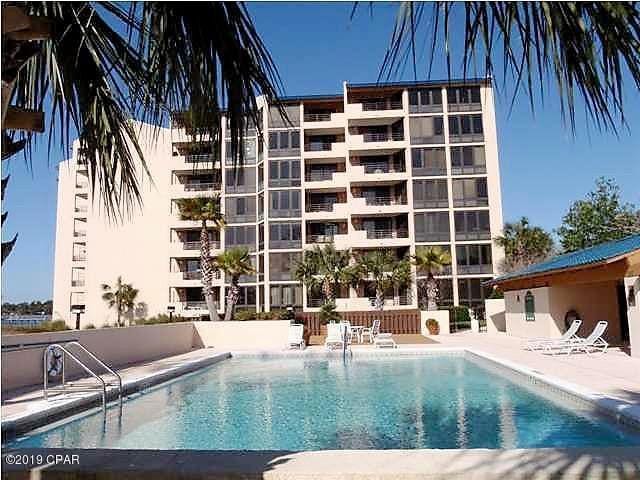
{"x": 437, "y": 402}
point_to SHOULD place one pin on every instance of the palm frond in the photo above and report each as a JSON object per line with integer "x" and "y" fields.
{"x": 585, "y": 48}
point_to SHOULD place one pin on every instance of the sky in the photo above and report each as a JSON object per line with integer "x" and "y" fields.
{"x": 543, "y": 165}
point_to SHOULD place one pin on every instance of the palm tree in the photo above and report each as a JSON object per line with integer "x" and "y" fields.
{"x": 431, "y": 260}
{"x": 93, "y": 66}
{"x": 122, "y": 297}
{"x": 203, "y": 210}
{"x": 585, "y": 50}
{"x": 385, "y": 271}
{"x": 523, "y": 245}
{"x": 234, "y": 262}
{"x": 325, "y": 269}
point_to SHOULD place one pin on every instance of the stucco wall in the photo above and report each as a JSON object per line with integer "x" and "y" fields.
{"x": 496, "y": 316}
{"x": 633, "y": 313}
{"x": 115, "y": 346}
{"x": 249, "y": 335}
{"x": 593, "y": 302}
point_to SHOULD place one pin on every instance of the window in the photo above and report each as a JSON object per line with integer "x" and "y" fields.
{"x": 261, "y": 176}
{"x": 246, "y": 297}
{"x": 432, "y": 227}
{"x": 470, "y": 192}
{"x": 472, "y": 225}
{"x": 261, "y": 206}
{"x": 77, "y": 277}
{"x": 465, "y": 128}
{"x": 425, "y": 100}
{"x": 473, "y": 259}
{"x": 428, "y": 161}
{"x": 240, "y": 209}
{"x": 249, "y": 146}
{"x": 240, "y": 180}
{"x": 282, "y": 265}
{"x": 529, "y": 307}
{"x": 461, "y": 99}
{"x": 285, "y": 235}
{"x": 77, "y": 298}
{"x": 284, "y": 295}
{"x": 471, "y": 293}
{"x": 276, "y": 120}
{"x": 284, "y": 144}
{"x": 284, "y": 203}
{"x": 468, "y": 160}
{"x": 242, "y": 236}
{"x": 284, "y": 173}
{"x": 430, "y": 194}
{"x": 426, "y": 130}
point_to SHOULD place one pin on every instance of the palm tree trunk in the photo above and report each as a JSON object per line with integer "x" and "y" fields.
{"x": 379, "y": 302}
{"x": 207, "y": 273}
{"x": 232, "y": 299}
{"x": 432, "y": 293}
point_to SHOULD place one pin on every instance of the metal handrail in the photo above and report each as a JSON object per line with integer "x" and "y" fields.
{"x": 65, "y": 352}
{"x": 317, "y": 146}
{"x": 317, "y": 117}
{"x": 319, "y": 175}
{"x": 382, "y": 137}
{"x": 321, "y": 207}
{"x": 382, "y": 105}
{"x": 199, "y": 187}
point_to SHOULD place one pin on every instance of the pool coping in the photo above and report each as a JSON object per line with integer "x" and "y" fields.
{"x": 42, "y": 412}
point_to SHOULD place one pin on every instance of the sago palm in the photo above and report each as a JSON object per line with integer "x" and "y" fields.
{"x": 325, "y": 269}
{"x": 203, "y": 210}
{"x": 94, "y": 66}
{"x": 122, "y": 297}
{"x": 235, "y": 263}
{"x": 430, "y": 260}
{"x": 385, "y": 271}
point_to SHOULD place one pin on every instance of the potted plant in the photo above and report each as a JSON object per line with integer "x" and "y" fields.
{"x": 433, "y": 326}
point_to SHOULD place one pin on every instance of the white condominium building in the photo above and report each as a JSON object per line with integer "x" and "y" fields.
{"x": 397, "y": 166}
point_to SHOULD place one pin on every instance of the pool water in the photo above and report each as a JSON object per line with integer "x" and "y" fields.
{"x": 367, "y": 403}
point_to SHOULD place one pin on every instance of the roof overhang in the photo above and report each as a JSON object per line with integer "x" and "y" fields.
{"x": 614, "y": 268}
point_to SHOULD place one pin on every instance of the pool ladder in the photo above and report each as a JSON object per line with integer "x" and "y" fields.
{"x": 54, "y": 348}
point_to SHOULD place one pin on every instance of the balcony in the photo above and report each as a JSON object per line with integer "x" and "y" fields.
{"x": 471, "y": 202}
{"x": 377, "y": 234}
{"x": 468, "y": 170}
{"x": 475, "y": 235}
{"x": 380, "y": 141}
{"x": 77, "y": 283}
{"x": 324, "y": 120}
{"x": 320, "y": 238}
{"x": 375, "y": 109}
{"x": 326, "y": 179}
{"x": 81, "y": 257}
{"x": 81, "y": 209}
{"x": 191, "y": 248}
{"x": 474, "y": 269}
{"x": 80, "y": 233}
{"x": 324, "y": 149}
{"x": 201, "y": 187}
{"x": 425, "y": 203}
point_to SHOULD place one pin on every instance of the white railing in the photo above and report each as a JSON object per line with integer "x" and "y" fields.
{"x": 200, "y": 158}
{"x": 320, "y": 207}
{"x": 384, "y": 200}
{"x": 320, "y": 238}
{"x": 382, "y": 137}
{"x": 317, "y": 117}
{"x": 319, "y": 176}
{"x": 200, "y": 187}
{"x": 382, "y": 105}
{"x": 387, "y": 233}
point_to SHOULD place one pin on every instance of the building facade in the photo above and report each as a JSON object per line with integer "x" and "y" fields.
{"x": 398, "y": 166}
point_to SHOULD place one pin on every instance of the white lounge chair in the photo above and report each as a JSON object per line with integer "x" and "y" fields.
{"x": 593, "y": 342}
{"x": 384, "y": 340}
{"x": 296, "y": 336}
{"x": 334, "y": 336}
{"x": 541, "y": 343}
{"x": 371, "y": 331}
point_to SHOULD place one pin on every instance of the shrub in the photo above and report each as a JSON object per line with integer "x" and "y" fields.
{"x": 433, "y": 326}
{"x": 328, "y": 313}
{"x": 160, "y": 318}
{"x": 272, "y": 315}
{"x": 50, "y": 326}
{"x": 89, "y": 326}
{"x": 244, "y": 315}
{"x": 496, "y": 293}
{"x": 459, "y": 317}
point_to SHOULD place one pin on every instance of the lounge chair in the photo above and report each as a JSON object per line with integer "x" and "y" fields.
{"x": 384, "y": 340}
{"x": 296, "y": 336}
{"x": 334, "y": 336}
{"x": 541, "y": 343}
{"x": 371, "y": 331}
{"x": 593, "y": 342}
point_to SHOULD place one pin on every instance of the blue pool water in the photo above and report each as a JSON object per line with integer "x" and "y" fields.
{"x": 368, "y": 403}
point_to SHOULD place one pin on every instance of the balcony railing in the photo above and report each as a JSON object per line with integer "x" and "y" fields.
{"x": 432, "y": 236}
{"x": 82, "y": 185}
{"x": 317, "y": 147}
{"x": 80, "y": 233}
{"x": 383, "y": 167}
{"x": 468, "y": 170}
{"x": 284, "y": 152}
{"x": 320, "y": 238}
{"x": 285, "y": 243}
{"x": 80, "y": 258}
{"x": 430, "y": 203}
{"x": 383, "y": 200}
{"x": 464, "y": 107}
{"x": 319, "y": 176}
{"x": 471, "y": 202}
{"x": 382, "y": 105}
{"x": 317, "y": 117}
{"x": 466, "y": 137}
{"x": 429, "y": 171}
{"x": 196, "y": 245}
{"x": 387, "y": 233}
{"x": 77, "y": 283}
{"x": 478, "y": 235}
{"x": 474, "y": 269}
{"x": 320, "y": 207}
{"x": 81, "y": 208}
{"x": 200, "y": 158}
{"x": 383, "y": 137}
{"x": 244, "y": 218}
{"x": 315, "y": 302}
{"x": 200, "y": 187}
{"x": 192, "y": 275}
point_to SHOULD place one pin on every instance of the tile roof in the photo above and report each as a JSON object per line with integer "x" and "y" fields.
{"x": 591, "y": 255}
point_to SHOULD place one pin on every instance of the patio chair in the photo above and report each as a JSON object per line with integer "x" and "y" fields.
{"x": 371, "y": 331}
{"x": 594, "y": 341}
{"x": 334, "y": 336}
{"x": 541, "y": 343}
{"x": 384, "y": 340}
{"x": 296, "y": 336}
